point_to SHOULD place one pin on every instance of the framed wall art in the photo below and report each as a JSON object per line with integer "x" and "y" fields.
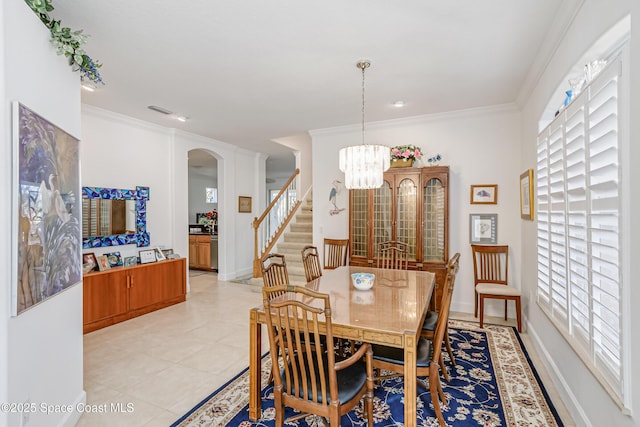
{"x": 147, "y": 256}
{"x": 244, "y": 204}
{"x": 46, "y": 209}
{"x": 483, "y": 228}
{"x": 485, "y": 194}
{"x": 526, "y": 195}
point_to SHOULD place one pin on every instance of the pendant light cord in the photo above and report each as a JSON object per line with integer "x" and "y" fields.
{"x": 364, "y": 64}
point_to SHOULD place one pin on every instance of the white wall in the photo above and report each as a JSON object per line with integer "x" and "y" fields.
{"x": 480, "y": 146}
{"x": 589, "y": 404}
{"x": 301, "y": 144}
{"x": 41, "y": 351}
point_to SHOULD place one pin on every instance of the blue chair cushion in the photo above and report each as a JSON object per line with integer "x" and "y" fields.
{"x": 396, "y": 355}
{"x": 350, "y": 381}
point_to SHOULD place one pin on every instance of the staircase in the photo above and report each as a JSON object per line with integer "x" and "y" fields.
{"x": 300, "y": 234}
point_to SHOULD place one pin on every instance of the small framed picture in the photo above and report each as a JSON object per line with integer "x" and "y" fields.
{"x": 526, "y": 195}
{"x": 103, "y": 263}
{"x": 147, "y": 256}
{"x": 159, "y": 254}
{"x": 483, "y": 228}
{"x": 486, "y": 194}
{"x": 115, "y": 259}
{"x": 168, "y": 253}
{"x": 244, "y": 204}
{"x": 89, "y": 262}
{"x": 130, "y": 261}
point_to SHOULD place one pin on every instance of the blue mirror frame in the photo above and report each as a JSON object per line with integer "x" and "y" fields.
{"x": 141, "y": 237}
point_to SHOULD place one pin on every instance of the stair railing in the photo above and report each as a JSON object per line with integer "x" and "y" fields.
{"x": 269, "y": 226}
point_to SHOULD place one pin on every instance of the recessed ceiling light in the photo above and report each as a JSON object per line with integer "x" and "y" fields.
{"x": 159, "y": 109}
{"x": 399, "y": 104}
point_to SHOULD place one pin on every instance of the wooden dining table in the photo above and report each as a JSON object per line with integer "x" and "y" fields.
{"x": 391, "y": 313}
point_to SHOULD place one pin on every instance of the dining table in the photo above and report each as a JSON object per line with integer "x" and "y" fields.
{"x": 391, "y": 313}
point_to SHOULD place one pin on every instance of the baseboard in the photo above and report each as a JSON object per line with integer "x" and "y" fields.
{"x": 72, "y": 418}
{"x": 569, "y": 399}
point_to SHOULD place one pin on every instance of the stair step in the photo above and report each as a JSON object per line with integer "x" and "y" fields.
{"x": 302, "y": 227}
{"x": 304, "y": 217}
{"x": 294, "y": 236}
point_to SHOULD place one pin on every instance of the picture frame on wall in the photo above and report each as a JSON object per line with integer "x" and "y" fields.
{"x": 244, "y": 204}
{"x": 526, "y": 195}
{"x": 484, "y": 194}
{"x": 483, "y": 229}
{"x": 147, "y": 256}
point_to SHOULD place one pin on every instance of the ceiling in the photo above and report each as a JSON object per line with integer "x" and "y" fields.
{"x": 249, "y": 71}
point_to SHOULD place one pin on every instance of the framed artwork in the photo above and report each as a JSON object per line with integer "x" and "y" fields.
{"x": 244, "y": 204}
{"x": 130, "y": 261}
{"x": 168, "y": 253}
{"x": 115, "y": 259}
{"x": 483, "y": 228}
{"x": 486, "y": 194}
{"x": 103, "y": 263}
{"x": 46, "y": 210}
{"x": 526, "y": 195}
{"x": 89, "y": 262}
{"x": 159, "y": 254}
{"x": 147, "y": 256}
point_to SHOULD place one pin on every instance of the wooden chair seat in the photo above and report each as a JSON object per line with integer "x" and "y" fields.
{"x": 491, "y": 289}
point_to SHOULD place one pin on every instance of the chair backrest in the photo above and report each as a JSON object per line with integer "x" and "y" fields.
{"x": 335, "y": 253}
{"x": 443, "y": 315}
{"x": 393, "y": 254}
{"x": 293, "y": 325}
{"x": 490, "y": 264}
{"x": 311, "y": 263}
{"x": 274, "y": 271}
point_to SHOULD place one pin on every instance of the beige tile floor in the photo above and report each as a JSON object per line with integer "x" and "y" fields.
{"x": 162, "y": 364}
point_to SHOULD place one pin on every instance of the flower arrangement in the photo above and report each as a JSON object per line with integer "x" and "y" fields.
{"x": 405, "y": 152}
{"x": 67, "y": 42}
{"x": 209, "y": 220}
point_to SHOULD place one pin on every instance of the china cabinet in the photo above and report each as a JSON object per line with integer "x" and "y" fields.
{"x": 412, "y": 206}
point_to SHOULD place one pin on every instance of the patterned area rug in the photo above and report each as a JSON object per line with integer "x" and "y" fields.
{"x": 494, "y": 384}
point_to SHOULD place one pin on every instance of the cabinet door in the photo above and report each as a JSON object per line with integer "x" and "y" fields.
{"x": 382, "y": 215}
{"x": 193, "y": 253}
{"x": 104, "y": 296}
{"x": 204, "y": 254}
{"x": 434, "y": 217}
{"x": 359, "y": 226}
{"x": 407, "y": 208}
{"x": 156, "y": 283}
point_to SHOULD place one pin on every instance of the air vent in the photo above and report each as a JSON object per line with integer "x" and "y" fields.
{"x": 159, "y": 109}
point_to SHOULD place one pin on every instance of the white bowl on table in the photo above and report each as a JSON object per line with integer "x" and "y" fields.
{"x": 362, "y": 281}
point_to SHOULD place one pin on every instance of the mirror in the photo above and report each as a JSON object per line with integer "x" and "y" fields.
{"x": 112, "y": 217}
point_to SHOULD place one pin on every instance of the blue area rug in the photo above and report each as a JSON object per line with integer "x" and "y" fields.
{"x": 494, "y": 384}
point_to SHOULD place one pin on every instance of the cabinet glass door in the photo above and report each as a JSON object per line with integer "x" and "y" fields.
{"x": 382, "y": 216}
{"x": 434, "y": 219}
{"x": 359, "y": 232}
{"x": 406, "y": 220}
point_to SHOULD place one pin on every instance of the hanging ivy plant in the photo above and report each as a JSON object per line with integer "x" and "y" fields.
{"x": 67, "y": 42}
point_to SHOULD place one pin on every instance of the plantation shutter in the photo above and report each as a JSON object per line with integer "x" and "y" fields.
{"x": 578, "y": 231}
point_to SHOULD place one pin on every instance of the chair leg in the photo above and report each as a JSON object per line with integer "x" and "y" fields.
{"x": 475, "y": 308}
{"x": 449, "y": 349}
{"x": 443, "y": 368}
{"x": 505, "y": 309}
{"x": 434, "y": 384}
{"x": 519, "y": 314}
{"x": 481, "y": 311}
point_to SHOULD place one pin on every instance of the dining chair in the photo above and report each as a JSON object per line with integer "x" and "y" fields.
{"x": 428, "y": 356}
{"x": 274, "y": 270}
{"x": 335, "y": 253}
{"x": 431, "y": 319}
{"x": 392, "y": 254}
{"x": 311, "y": 263}
{"x": 311, "y": 380}
{"x": 491, "y": 269}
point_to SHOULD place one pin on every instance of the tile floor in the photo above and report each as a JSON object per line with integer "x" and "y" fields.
{"x": 162, "y": 364}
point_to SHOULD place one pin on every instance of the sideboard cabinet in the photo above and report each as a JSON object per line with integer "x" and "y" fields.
{"x": 412, "y": 206}
{"x": 121, "y": 293}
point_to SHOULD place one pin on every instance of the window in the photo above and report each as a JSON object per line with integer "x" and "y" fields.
{"x": 211, "y": 195}
{"x": 580, "y": 280}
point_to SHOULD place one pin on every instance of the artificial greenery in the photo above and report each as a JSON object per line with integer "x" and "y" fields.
{"x": 67, "y": 42}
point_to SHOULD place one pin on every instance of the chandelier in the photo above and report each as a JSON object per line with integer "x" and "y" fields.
{"x": 363, "y": 165}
